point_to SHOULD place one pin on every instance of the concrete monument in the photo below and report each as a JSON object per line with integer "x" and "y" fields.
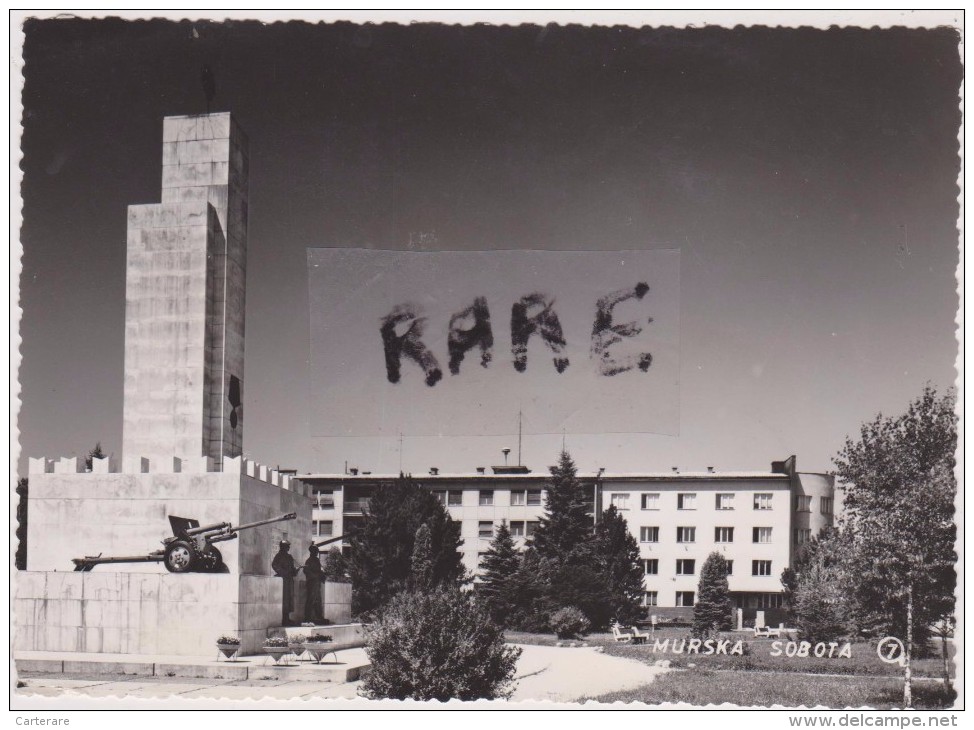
{"x": 182, "y": 439}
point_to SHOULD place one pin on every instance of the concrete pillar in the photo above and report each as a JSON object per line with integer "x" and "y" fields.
{"x": 185, "y": 297}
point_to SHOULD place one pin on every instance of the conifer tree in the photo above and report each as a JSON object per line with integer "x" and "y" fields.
{"x": 568, "y": 564}
{"x": 498, "y": 567}
{"x": 567, "y": 522}
{"x": 712, "y": 610}
{"x": 421, "y": 563}
{"x": 619, "y": 554}
{"x": 381, "y": 550}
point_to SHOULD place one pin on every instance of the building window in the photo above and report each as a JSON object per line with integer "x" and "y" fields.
{"x": 324, "y": 498}
{"x": 651, "y": 567}
{"x": 826, "y": 505}
{"x": 760, "y": 567}
{"x": 730, "y": 567}
{"x": 519, "y": 498}
{"x": 322, "y": 528}
{"x": 686, "y": 534}
{"x": 517, "y": 528}
{"x": 485, "y": 529}
{"x": 725, "y": 501}
{"x": 440, "y": 496}
{"x": 619, "y": 501}
{"x": 650, "y": 501}
{"x": 534, "y": 498}
{"x": 762, "y": 501}
{"x": 684, "y": 599}
{"x": 761, "y": 534}
{"x": 686, "y": 500}
{"x": 486, "y": 497}
{"x": 650, "y": 598}
{"x": 802, "y": 536}
{"x": 723, "y": 534}
{"x": 686, "y": 566}
{"x": 768, "y": 600}
{"x": 530, "y": 527}
{"x": 455, "y": 498}
{"x": 803, "y": 503}
{"x": 648, "y": 534}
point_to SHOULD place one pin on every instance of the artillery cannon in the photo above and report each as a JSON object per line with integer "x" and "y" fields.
{"x": 189, "y": 550}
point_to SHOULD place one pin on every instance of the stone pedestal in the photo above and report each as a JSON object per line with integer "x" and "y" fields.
{"x": 140, "y": 607}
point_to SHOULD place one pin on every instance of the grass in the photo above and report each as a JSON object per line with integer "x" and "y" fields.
{"x": 700, "y": 687}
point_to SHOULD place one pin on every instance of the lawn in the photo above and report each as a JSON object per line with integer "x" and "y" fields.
{"x": 864, "y": 660}
{"x": 700, "y": 687}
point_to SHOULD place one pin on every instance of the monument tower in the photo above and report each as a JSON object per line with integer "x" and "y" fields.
{"x": 184, "y": 301}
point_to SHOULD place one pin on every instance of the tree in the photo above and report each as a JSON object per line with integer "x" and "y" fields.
{"x": 567, "y": 564}
{"x": 421, "y": 562}
{"x": 381, "y": 551}
{"x": 618, "y": 553}
{"x": 95, "y": 453}
{"x": 818, "y": 590}
{"x": 437, "y": 645}
{"x": 498, "y": 567}
{"x": 20, "y": 557}
{"x": 335, "y": 567}
{"x": 900, "y": 488}
{"x": 567, "y": 523}
{"x": 712, "y": 611}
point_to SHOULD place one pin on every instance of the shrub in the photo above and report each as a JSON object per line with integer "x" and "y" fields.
{"x": 276, "y": 642}
{"x": 568, "y": 622}
{"x": 317, "y": 639}
{"x": 437, "y": 645}
{"x": 231, "y": 640}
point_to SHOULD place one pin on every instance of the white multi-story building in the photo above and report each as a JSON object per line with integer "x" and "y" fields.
{"x": 757, "y": 520}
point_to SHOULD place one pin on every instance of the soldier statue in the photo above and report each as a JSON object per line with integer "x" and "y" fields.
{"x": 285, "y": 568}
{"x": 314, "y": 576}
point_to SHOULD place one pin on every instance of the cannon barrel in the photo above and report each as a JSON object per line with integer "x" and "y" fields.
{"x": 250, "y": 525}
{"x": 215, "y": 527}
{"x": 330, "y": 540}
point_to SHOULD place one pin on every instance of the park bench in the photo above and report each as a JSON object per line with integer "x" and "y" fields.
{"x": 766, "y": 632}
{"x": 619, "y": 635}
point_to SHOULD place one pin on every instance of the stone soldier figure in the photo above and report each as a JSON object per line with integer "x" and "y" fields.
{"x": 314, "y": 576}
{"x": 285, "y": 568}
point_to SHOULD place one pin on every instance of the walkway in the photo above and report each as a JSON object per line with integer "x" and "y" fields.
{"x": 543, "y": 673}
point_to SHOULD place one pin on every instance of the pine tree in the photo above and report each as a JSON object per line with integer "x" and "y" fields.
{"x": 421, "y": 563}
{"x": 95, "y": 453}
{"x": 619, "y": 554}
{"x": 569, "y": 569}
{"x": 712, "y": 611}
{"x": 498, "y": 567}
{"x": 567, "y": 521}
{"x": 380, "y": 552}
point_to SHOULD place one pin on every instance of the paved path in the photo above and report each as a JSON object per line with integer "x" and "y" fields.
{"x": 543, "y": 673}
{"x": 565, "y": 675}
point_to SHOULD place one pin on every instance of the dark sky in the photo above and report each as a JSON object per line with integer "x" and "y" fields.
{"x": 808, "y": 178}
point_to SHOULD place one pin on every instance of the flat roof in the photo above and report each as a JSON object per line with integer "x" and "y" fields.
{"x": 545, "y": 476}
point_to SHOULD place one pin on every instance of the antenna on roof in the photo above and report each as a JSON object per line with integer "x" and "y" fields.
{"x": 519, "y": 437}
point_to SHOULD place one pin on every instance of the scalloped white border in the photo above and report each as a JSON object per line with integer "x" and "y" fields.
{"x": 632, "y": 18}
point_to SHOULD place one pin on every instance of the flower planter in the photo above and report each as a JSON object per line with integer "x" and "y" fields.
{"x": 296, "y": 649}
{"x": 276, "y": 652}
{"x": 228, "y": 650}
{"x": 318, "y": 649}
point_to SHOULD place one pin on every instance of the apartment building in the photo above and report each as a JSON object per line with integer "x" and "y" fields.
{"x": 756, "y": 519}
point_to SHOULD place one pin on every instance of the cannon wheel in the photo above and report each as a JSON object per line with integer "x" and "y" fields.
{"x": 180, "y": 556}
{"x": 215, "y": 561}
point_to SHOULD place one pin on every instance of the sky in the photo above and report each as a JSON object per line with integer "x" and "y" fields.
{"x": 807, "y": 177}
